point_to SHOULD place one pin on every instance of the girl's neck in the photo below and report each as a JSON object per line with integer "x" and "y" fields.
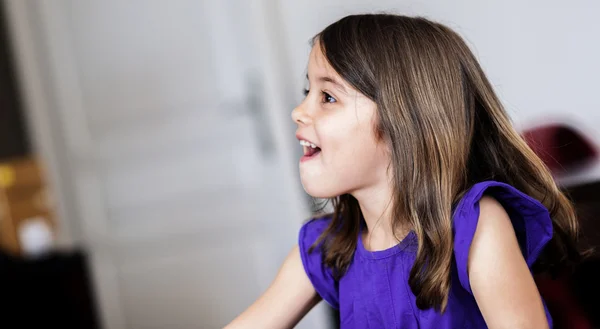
{"x": 376, "y": 206}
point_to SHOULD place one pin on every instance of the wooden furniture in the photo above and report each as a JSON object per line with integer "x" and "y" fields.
{"x": 23, "y": 196}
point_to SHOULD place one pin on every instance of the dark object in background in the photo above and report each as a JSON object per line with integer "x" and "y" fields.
{"x": 572, "y": 296}
{"x": 563, "y": 304}
{"x": 51, "y": 292}
{"x": 14, "y": 140}
{"x": 334, "y": 316}
{"x": 560, "y": 147}
{"x": 586, "y": 198}
{"x": 587, "y": 289}
{"x": 586, "y": 278}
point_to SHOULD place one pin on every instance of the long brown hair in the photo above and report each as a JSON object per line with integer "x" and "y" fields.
{"x": 446, "y": 131}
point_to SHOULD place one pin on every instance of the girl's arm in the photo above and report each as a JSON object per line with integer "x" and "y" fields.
{"x": 499, "y": 276}
{"x": 286, "y": 301}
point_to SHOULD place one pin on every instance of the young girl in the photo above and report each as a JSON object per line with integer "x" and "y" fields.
{"x": 442, "y": 212}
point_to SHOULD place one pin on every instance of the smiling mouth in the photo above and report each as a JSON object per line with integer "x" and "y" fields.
{"x": 310, "y": 149}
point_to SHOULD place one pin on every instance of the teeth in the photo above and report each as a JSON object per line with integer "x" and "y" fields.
{"x": 308, "y": 144}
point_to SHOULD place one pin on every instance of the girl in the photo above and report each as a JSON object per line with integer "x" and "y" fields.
{"x": 441, "y": 211}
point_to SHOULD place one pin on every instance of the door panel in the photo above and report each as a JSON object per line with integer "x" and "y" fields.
{"x": 185, "y": 216}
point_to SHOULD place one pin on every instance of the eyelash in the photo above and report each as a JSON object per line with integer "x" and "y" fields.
{"x": 324, "y": 94}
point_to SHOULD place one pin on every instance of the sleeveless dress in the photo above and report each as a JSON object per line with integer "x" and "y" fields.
{"x": 374, "y": 292}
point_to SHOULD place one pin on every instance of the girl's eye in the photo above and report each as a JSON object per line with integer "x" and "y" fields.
{"x": 328, "y": 98}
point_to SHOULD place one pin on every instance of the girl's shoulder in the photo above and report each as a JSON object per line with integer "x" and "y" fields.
{"x": 507, "y": 194}
{"x": 313, "y": 228}
{"x": 311, "y": 254}
{"x": 526, "y": 213}
{"x": 530, "y": 219}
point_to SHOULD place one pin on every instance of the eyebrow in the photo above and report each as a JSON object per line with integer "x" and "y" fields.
{"x": 335, "y": 82}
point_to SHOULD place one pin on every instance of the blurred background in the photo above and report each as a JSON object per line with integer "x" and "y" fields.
{"x": 148, "y": 164}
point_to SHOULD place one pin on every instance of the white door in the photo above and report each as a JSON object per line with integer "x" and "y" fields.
{"x": 177, "y": 167}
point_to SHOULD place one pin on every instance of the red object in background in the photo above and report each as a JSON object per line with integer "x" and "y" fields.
{"x": 560, "y": 147}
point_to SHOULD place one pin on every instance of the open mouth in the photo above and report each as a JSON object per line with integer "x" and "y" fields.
{"x": 310, "y": 149}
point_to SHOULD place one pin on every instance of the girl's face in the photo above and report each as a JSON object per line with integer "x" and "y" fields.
{"x": 340, "y": 122}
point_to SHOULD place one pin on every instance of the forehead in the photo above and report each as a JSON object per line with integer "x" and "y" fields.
{"x": 320, "y": 71}
{"x": 318, "y": 64}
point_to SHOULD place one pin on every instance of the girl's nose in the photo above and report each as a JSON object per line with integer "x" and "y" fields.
{"x": 300, "y": 116}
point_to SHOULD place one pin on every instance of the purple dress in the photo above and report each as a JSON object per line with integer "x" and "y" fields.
{"x": 374, "y": 293}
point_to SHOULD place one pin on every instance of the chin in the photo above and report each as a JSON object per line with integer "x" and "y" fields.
{"x": 319, "y": 189}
